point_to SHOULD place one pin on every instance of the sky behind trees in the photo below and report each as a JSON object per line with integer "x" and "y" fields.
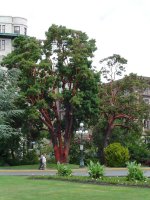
{"x": 119, "y": 26}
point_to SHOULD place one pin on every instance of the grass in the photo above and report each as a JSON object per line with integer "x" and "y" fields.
{"x": 36, "y": 166}
{"x": 14, "y": 187}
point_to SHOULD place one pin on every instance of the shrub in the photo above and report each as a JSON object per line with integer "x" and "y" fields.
{"x": 30, "y": 158}
{"x": 135, "y": 172}
{"x": 139, "y": 152}
{"x": 13, "y": 162}
{"x": 95, "y": 170}
{"x": 63, "y": 170}
{"x": 2, "y": 162}
{"x": 116, "y": 155}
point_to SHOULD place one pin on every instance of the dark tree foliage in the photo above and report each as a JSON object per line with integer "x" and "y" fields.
{"x": 57, "y": 82}
{"x": 9, "y": 113}
{"x": 121, "y": 106}
{"x": 121, "y": 100}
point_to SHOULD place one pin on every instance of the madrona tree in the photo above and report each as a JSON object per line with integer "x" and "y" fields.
{"x": 57, "y": 82}
{"x": 121, "y": 102}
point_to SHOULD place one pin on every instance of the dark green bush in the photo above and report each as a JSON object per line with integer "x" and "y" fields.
{"x": 116, "y": 155}
{"x": 30, "y": 158}
{"x": 13, "y": 162}
{"x": 139, "y": 152}
{"x": 2, "y": 161}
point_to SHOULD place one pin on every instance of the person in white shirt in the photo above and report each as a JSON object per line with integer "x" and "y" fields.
{"x": 41, "y": 162}
{"x": 44, "y": 162}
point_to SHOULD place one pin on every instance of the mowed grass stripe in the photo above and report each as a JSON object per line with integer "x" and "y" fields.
{"x": 22, "y": 188}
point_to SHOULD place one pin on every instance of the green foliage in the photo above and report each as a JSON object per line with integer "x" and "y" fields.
{"x": 131, "y": 138}
{"x": 108, "y": 70}
{"x": 89, "y": 152}
{"x": 44, "y": 146}
{"x": 27, "y": 158}
{"x": 10, "y": 114}
{"x": 30, "y": 157}
{"x": 139, "y": 151}
{"x": 9, "y": 111}
{"x": 121, "y": 101}
{"x": 63, "y": 170}
{"x": 116, "y": 155}
{"x": 95, "y": 170}
{"x": 57, "y": 75}
{"x": 135, "y": 172}
{"x": 74, "y": 153}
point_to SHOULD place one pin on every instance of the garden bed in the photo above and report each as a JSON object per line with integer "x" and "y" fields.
{"x": 117, "y": 181}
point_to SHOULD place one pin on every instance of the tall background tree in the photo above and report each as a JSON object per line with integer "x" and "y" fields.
{"x": 10, "y": 114}
{"x": 121, "y": 106}
{"x": 57, "y": 82}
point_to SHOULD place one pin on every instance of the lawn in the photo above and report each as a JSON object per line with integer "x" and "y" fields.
{"x": 22, "y": 188}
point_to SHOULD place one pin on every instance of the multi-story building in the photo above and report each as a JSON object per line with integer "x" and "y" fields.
{"x": 10, "y": 27}
{"x": 146, "y": 123}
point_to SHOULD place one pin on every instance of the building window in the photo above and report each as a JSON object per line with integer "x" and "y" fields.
{"x": 25, "y": 31}
{"x": 146, "y": 100}
{"x": 147, "y": 91}
{"x": 2, "y": 45}
{"x": 2, "y": 28}
{"x": 146, "y": 124}
{"x": 17, "y": 29}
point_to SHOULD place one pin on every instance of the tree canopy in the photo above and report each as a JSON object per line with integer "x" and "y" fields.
{"x": 57, "y": 83}
{"x": 121, "y": 102}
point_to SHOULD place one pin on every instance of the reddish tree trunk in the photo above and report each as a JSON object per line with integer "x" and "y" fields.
{"x": 61, "y": 154}
{"x": 60, "y": 145}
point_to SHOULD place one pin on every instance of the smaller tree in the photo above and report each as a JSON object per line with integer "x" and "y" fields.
{"x": 121, "y": 102}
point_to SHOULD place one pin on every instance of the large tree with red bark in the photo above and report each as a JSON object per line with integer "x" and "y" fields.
{"x": 121, "y": 102}
{"x": 57, "y": 82}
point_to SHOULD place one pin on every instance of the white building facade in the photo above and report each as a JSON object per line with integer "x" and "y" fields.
{"x": 10, "y": 27}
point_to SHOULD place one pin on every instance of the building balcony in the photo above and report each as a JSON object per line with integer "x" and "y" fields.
{"x": 9, "y": 35}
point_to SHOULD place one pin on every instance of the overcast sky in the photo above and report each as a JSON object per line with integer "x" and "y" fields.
{"x": 119, "y": 26}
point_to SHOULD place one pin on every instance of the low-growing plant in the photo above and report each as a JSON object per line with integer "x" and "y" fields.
{"x": 95, "y": 170}
{"x": 135, "y": 172}
{"x": 63, "y": 170}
